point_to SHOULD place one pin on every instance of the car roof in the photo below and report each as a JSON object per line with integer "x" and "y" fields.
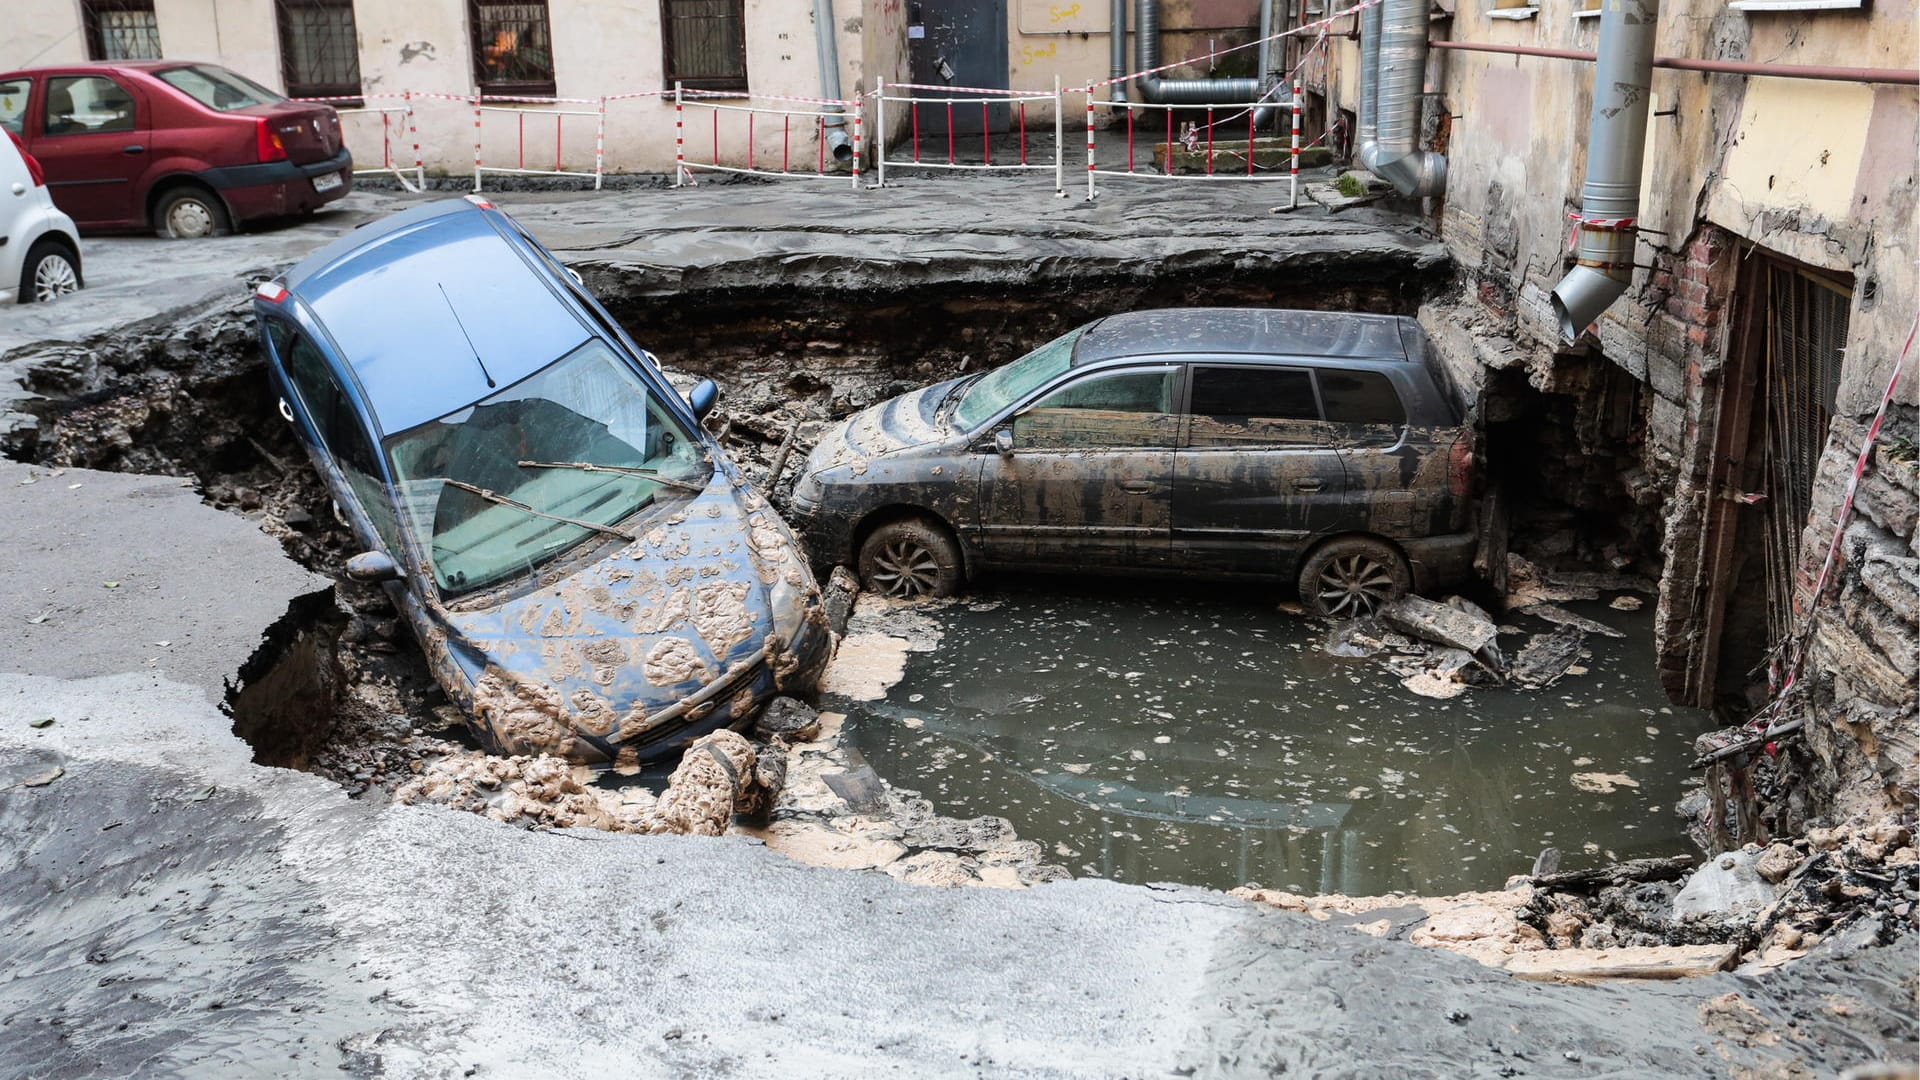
{"x": 410, "y": 300}
{"x": 1245, "y": 331}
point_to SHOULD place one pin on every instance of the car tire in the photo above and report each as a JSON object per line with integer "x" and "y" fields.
{"x": 190, "y": 213}
{"x": 51, "y": 271}
{"x": 910, "y": 559}
{"x": 1353, "y": 576}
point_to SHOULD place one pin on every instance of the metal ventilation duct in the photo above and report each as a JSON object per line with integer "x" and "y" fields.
{"x": 1393, "y": 61}
{"x": 1164, "y": 91}
{"x": 1616, "y": 145}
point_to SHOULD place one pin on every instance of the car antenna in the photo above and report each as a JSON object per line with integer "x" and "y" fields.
{"x": 463, "y": 333}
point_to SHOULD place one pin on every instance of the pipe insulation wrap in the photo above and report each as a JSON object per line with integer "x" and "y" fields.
{"x": 1158, "y": 90}
{"x": 1367, "y": 125}
{"x": 1402, "y": 69}
{"x": 1616, "y": 148}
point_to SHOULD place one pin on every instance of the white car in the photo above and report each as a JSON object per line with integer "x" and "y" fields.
{"x": 39, "y": 247}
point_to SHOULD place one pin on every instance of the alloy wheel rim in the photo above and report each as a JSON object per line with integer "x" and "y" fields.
{"x": 190, "y": 220}
{"x": 904, "y": 568}
{"x": 1354, "y": 585}
{"x": 54, "y": 277}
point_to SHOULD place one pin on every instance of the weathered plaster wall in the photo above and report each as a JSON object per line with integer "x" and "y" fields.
{"x": 43, "y": 32}
{"x": 1819, "y": 172}
{"x": 1072, "y": 39}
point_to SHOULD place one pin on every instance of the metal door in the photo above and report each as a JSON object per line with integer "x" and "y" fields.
{"x": 1258, "y": 474}
{"x": 958, "y": 43}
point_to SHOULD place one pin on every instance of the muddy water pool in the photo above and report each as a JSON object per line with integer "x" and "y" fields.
{"x": 1205, "y": 737}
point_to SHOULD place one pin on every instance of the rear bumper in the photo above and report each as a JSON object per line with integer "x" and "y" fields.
{"x": 1438, "y": 561}
{"x": 277, "y": 188}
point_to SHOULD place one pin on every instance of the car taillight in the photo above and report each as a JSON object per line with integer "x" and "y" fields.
{"x": 271, "y": 291}
{"x": 33, "y": 165}
{"x": 1460, "y": 465}
{"x": 266, "y": 142}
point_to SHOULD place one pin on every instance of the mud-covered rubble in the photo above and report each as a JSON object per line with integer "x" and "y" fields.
{"x": 1747, "y": 911}
{"x": 1441, "y": 650}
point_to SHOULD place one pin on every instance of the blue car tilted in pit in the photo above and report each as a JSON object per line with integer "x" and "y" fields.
{"x": 588, "y": 573}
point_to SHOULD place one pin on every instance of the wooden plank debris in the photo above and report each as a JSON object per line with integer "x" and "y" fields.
{"x": 1560, "y": 616}
{"x": 1627, "y": 962}
{"x": 1546, "y": 657}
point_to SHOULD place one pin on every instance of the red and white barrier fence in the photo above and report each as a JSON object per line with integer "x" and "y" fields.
{"x": 517, "y": 110}
{"x": 950, "y": 104}
{"x": 399, "y": 141}
{"x": 815, "y": 117}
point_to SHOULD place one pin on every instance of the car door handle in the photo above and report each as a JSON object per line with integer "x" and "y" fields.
{"x": 1139, "y": 487}
{"x": 134, "y": 148}
{"x": 1309, "y": 484}
{"x": 286, "y": 411}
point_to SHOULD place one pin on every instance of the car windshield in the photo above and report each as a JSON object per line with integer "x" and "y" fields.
{"x": 1005, "y": 385}
{"x": 217, "y": 88}
{"x": 497, "y": 489}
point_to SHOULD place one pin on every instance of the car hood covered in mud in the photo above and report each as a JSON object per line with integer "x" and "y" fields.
{"x": 895, "y": 424}
{"x": 686, "y": 629}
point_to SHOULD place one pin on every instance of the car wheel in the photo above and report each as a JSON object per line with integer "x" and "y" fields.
{"x": 190, "y": 214}
{"x": 1353, "y": 576}
{"x": 910, "y": 559}
{"x": 51, "y": 271}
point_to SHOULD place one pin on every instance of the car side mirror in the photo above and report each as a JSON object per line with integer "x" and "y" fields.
{"x": 374, "y": 566}
{"x": 1003, "y": 442}
{"x": 702, "y": 397}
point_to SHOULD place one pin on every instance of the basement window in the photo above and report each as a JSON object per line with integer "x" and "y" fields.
{"x": 121, "y": 30}
{"x": 512, "y": 48}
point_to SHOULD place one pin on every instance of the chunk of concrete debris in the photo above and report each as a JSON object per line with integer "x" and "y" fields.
{"x": 1471, "y": 632}
{"x": 787, "y": 718}
{"x": 1628, "y": 962}
{"x": 1546, "y": 657}
{"x": 860, "y": 788}
{"x": 1627, "y": 603}
{"x": 1729, "y": 884}
{"x": 843, "y": 588}
{"x": 1560, "y": 616}
{"x": 1777, "y": 861}
{"x": 715, "y": 774}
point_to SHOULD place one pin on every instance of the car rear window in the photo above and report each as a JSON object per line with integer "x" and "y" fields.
{"x": 13, "y": 104}
{"x": 217, "y": 88}
{"x": 1360, "y": 397}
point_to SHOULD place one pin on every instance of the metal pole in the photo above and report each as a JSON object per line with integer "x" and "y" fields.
{"x": 880, "y": 125}
{"x": 679, "y": 137}
{"x": 476, "y": 142}
{"x": 600, "y": 145}
{"x": 858, "y": 114}
{"x": 1296, "y": 145}
{"x": 1090, "y": 146}
{"x": 1059, "y": 140}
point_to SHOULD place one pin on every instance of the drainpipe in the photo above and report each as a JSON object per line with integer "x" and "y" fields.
{"x": 1616, "y": 143}
{"x": 1264, "y": 115}
{"x": 1402, "y": 69}
{"x": 1117, "y": 50}
{"x": 1163, "y": 91}
{"x": 1367, "y": 127}
{"x": 826, "y": 47}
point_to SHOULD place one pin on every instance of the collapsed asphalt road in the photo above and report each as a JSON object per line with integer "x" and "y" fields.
{"x": 178, "y": 910}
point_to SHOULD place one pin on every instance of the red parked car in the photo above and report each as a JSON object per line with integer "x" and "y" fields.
{"x": 185, "y": 149}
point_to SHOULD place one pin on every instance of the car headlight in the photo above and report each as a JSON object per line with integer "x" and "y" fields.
{"x": 808, "y": 491}
{"x": 788, "y": 603}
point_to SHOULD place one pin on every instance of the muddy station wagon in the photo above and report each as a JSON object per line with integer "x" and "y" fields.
{"x": 1318, "y": 448}
{"x": 588, "y": 573}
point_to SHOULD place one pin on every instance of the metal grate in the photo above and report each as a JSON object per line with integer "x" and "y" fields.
{"x": 1806, "y": 336}
{"x": 512, "y": 48}
{"x": 706, "y": 43}
{"x": 121, "y": 29}
{"x": 319, "y": 53}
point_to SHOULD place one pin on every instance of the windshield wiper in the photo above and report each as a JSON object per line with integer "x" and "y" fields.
{"x": 627, "y": 470}
{"x": 955, "y": 395}
{"x": 493, "y": 497}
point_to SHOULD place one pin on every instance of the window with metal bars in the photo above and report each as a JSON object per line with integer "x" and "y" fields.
{"x": 319, "y": 53}
{"x": 705, "y": 43}
{"x": 512, "y": 48}
{"x": 121, "y": 29}
{"x": 1805, "y": 337}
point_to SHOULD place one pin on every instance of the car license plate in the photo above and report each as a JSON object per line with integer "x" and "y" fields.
{"x": 327, "y": 182}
